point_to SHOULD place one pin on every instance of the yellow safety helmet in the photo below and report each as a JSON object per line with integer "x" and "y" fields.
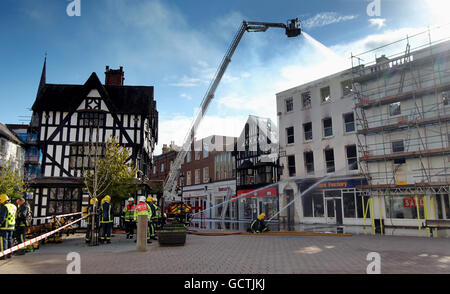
{"x": 262, "y": 216}
{"x": 3, "y": 198}
{"x": 107, "y": 198}
{"x": 92, "y": 201}
{"x": 103, "y": 201}
{"x": 149, "y": 199}
{"x": 155, "y": 199}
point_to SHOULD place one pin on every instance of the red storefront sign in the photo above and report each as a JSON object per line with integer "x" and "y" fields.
{"x": 267, "y": 192}
{"x": 411, "y": 202}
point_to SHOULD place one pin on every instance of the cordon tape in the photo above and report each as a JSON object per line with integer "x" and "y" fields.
{"x": 31, "y": 241}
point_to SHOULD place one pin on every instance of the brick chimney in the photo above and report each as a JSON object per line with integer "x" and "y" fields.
{"x": 114, "y": 76}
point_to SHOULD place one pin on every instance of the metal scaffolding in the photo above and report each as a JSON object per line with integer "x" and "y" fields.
{"x": 402, "y": 114}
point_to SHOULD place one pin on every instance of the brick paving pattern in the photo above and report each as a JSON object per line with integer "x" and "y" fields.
{"x": 243, "y": 255}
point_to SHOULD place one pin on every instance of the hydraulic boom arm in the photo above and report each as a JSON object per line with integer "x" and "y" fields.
{"x": 292, "y": 30}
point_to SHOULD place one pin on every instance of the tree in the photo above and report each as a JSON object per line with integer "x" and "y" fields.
{"x": 110, "y": 173}
{"x": 11, "y": 181}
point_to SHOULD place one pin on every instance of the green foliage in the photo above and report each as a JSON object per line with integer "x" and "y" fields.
{"x": 112, "y": 175}
{"x": 11, "y": 182}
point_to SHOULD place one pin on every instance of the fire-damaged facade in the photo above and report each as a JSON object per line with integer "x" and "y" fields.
{"x": 69, "y": 118}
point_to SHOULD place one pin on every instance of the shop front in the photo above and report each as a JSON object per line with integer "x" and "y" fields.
{"x": 334, "y": 202}
{"x": 257, "y": 202}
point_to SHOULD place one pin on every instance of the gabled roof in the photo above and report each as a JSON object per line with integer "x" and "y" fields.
{"x": 66, "y": 98}
{"x": 9, "y": 135}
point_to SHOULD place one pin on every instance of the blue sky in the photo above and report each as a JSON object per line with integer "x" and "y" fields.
{"x": 176, "y": 46}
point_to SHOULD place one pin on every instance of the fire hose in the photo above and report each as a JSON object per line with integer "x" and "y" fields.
{"x": 281, "y": 233}
{"x": 39, "y": 238}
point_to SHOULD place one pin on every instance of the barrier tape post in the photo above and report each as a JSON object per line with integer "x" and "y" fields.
{"x": 31, "y": 241}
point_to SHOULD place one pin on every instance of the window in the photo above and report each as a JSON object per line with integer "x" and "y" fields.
{"x": 197, "y": 176}
{"x": 154, "y": 169}
{"x": 170, "y": 165}
{"x": 64, "y": 200}
{"x": 327, "y": 127}
{"x": 329, "y": 160}
{"x": 289, "y": 104}
{"x": 91, "y": 119}
{"x": 325, "y": 95}
{"x": 291, "y": 165}
{"x": 352, "y": 158}
{"x": 349, "y": 122}
{"x": 349, "y": 205}
{"x": 84, "y": 156}
{"x": 206, "y": 175}
{"x": 162, "y": 167}
{"x": 188, "y": 156}
{"x": 347, "y": 87}
{"x": 360, "y": 208}
{"x": 205, "y": 151}
{"x": 404, "y": 207}
{"x": 290, "y": 135}
{"x": 307, "y": 129}
{"x": 197, "y": 155}
{"x": 318, "y": 203}
{"x": 188, "y": 178}
{"x": 397, "y": 146}
{"x": 309, "y": 162}
{"x": 306, "y": 99}
{"x": 394, "y": 109}
{"x": 307, "y": 203}
{"x": 445, "y": 97}
{"x": 2, "y": 146}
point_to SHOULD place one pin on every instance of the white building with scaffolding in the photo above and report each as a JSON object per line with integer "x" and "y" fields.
{"x": 318, "y": 142}
{"x": 402, "y": 117}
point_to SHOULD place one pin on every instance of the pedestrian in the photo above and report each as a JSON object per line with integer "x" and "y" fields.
{"x": 23, "y": 218}
{"x": 107, "y": 220}
{"x": 259, "y": 225}
{"x": 7, "y": 223}
{"x": 128, "y": 215}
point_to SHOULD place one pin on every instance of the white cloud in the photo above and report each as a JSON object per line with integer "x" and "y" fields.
{"x": 326, "y": 18}
{"x": 377, "y": 22}
{"x": 186, "y": 96}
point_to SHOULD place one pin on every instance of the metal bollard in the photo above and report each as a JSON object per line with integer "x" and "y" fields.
{"x": 141, "y": 238}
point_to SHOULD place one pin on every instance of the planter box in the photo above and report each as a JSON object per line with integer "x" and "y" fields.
{"x": 172, "y": 235}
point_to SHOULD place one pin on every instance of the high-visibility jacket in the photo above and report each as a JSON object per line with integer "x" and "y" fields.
{"x": 23, "y": 215}
{"x": 8, "y": 217}
{"x": 142, "y": 208}
{"x": 128, "y": 212}
{"x": 152, "y": 216}
{"x": 107, "y": 217}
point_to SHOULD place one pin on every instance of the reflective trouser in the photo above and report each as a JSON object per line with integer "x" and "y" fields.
{"x": 21, "y": 233}
{"x": 152, "y": 227}
{"x": 106, "y": 231}
{"x": 149, "y": 230}
{"x": 129, "y": 228}
{"x": 88, "y": 232}
{"x": 6, "y": 237}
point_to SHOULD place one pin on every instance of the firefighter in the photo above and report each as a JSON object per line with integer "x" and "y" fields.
{"x": 23, "y": 217}
{"x": 259, "y": 225}
{"x": 93, "y": 215}
{"x": 158, "y": 214}
{"x": 107, "y": 220}
{"x": 141, "y": 209}
{"x": 153, "y": 218}
{"x": 7, "y": 223}
{"x": 128, "y": 216}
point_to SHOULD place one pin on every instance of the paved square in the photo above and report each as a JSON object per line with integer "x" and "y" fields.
{"x": 242, "y": 255}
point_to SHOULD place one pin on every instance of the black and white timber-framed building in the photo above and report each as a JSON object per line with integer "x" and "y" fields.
{"x": 70, "y": 118}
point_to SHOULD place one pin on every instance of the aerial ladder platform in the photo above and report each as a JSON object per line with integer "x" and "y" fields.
{"x": 292, "y": 29}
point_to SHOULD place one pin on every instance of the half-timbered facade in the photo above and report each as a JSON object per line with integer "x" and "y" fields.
{"x": 73, "y": 123}
{"x": 257, "y": 166}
